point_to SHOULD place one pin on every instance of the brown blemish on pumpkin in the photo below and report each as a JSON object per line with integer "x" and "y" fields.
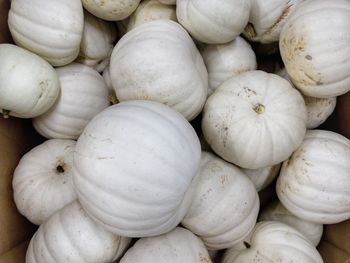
{"x": 61, "y": 167}
{"x": 308, "y": 57}
{"x": 284, "y": 14}
{"x": 204, "y": 258}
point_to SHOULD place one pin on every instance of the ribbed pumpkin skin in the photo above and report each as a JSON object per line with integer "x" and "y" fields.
{"x": 83, "y": 95}
{"x": 52, "y": 29}
{"x": 273, "y": 242}
{"x": 254, "y": 120}
{"x": 318, "y": 64}
{"x": 133, "y": 165}
{"x": 177, "y": 246}
{"x": 225, "y": 205}
{"x": 71, "y": 236}
{"x": 314, "y": 183}
{"x": 158, "y": 61}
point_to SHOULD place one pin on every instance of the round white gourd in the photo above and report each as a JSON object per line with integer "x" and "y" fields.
{"x": 225, "y": 205}
{"x": 273, "y": 242}
{"x": 52, "y": 29}
{"x": 158, "y": 61}
{"x": 255, "y": 119}
{"x": 42, "y": 180}
{"x": 134, "y": 164}
{"x": 71, "y": 236}
{"x": 318, "y": 63}
{"x": 150, "y": 10}
{"x": 276, "y": 211}
{"x": 112, "y": 10}
{"x": 213, "y": 22}
{"x": 29, "y": 85}
{"x": 83, "y": 95}
{"x": 314, "y": 182}
{"x": 227, "y": 60}
{"x": 267, "y": 18}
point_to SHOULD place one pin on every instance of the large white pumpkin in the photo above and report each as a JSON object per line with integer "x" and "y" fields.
{"x": 71, "y": 236}
{"x": 225, "y": 205}
{"x": 83, "y": 95}
{"x": 158, "y": 61}
{"x": 255, "y": 119}
{"x": 314, "y": 45}
{"x": 314, "y": 182}
{"x": 213, "y": 22}
{"x": 29, "y": 85}
{"x": 52, "y": 29}
{"x": 179, "y": 245}
{"x": 133, "y": 165}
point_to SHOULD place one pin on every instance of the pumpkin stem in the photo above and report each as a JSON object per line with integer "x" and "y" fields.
{"x": 113, "y": 99}
{"x": 250, "y": 30}
{"x": 60, "y": 167}
{"x": 5, "y": 114}
{"x": 259, "y": 109}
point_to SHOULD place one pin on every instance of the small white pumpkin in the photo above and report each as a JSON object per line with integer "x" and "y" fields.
{"x": 83, "y": 95}
{"x": 29, "y": 85}
{"x": 98, "y": 40}
{"x": 227, "y": 60}
{"x": 158, "y": 61}
{"x": 255, "y": 119}
{"x": 112, "y": 10}
{"x": 71, "y": 236}
{"x": 273, "y": 242}
{"x": 314, "y": 182}
{"x": 133, "y": 165}
{"x": 179, "y": 245}
{"x": 52, "y": 29}
{"x": 150, "y": 10}
{"x": 225, "y": 205}
{"x": 314, "y": 45}
{"x": 276, "y": 211}
{"x": 213, "y": 22}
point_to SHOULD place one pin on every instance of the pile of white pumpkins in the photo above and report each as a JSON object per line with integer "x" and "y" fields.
{"x": 131, "y": 182}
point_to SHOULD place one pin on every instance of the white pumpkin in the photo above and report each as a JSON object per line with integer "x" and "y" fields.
{"x": 255, "y": 119}
{"x": 134, "y": 164}
{"x": 83, "y": 95}
{"x": 111, "y": 93}
{"x": 29, "y": 85}
{"x": 168, "y": 2}
{"x": 52, "y": 29}
{"x": 227, "y": 60}
{"x": 71, "y": 236}
{"x": 276, "y": 211}
{"x": 225, "y": 205}
{"x": 179, "y": 245}
{"x": 98, "y": 40}
{"x": 318, "y": 63}
{"x": 274, "y": 242}
{"x": 267, "y": 18}
{"x": 213, "y": 22}
{"x": 112, "y": 10}
{"x": 150, "y": 10}
{"x": 158, "y": 61}
{"x": 314, "y": 182}
{"x": 263, "y": 177}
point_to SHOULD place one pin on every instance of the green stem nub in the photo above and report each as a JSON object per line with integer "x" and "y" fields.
{"x": 5, "y": 114}
{"x": 113, "y": 99}
{"x": 250, "y": 30}
{"x": 259, "y": 109}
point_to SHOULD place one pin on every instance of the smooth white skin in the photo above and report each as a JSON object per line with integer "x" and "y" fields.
{"x": 71, "y": 236}
{"x": 52, "y": 29}
{"x": 83, "y": 95}
{"x": 111, "y": 10}
{"x": 225, "y": 204}
{"x": 39, "y": 189}
{"x": 273, "y": 241}
{"x": 238, "y": 133}
{"x": 133, "y": 165}
{"x": 29, "y": 85}
{"x": 276, "y": 211}
{"x": 98, "y": 40}
{"x": 314, "y": 45}
{"x": 213, "y": 22}
{"x": 224, "y": 61}
{"x": 158, "y": 61}
{"x": 314, "y": 182}
{"x": 267, "y": 18}
{"x": 179, "y": 245}
{"x": 150, "y": 10}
